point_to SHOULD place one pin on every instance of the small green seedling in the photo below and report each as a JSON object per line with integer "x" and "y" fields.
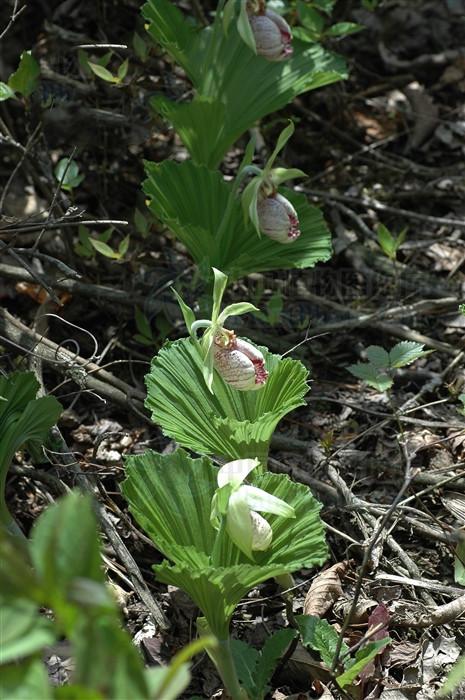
{"x": 106, "y": 250}
{"x": 67, "y": 174}
{"x": 378, "y": 371}
{"x": 315, "y": 25}
{"x": 107, "y": 75}
{"x": 388, "y": 243}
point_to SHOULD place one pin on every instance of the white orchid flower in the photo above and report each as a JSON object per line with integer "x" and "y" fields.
{"x": 248, "y": 530}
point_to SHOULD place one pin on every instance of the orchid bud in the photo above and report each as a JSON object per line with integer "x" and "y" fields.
{"x": 272, "y": 35}
{"x": 278, "y": 219}
{"x": 240, "y": 364}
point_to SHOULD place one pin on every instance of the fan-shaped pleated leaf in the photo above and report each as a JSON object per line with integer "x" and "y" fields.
{"x": 226, "y": 422}
{"x": 170, "y": 497}
{"x": 194, "y": 203}
{"x": 223, "y": 69}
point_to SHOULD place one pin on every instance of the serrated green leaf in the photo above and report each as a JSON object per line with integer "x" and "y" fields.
{"x": 272, "y": 652}
{"x": 320, "y": 636}
{"x": 362, "y": 658}
{"x": 406, "y": 352}
{"x": 5, "y": 92}
{"x": 192, "y": 202}
{"x": 344, "y": 29}
{"x": 371, "y": 375}
{"x": 25, "y": 79}
{"x": 104, "y": 249}
{"x": 226, "y": 422}
{"x": 102, "y": 72}
{"x": 243, "y": 88}
{"x": 246, "y": 660}
{"x": 377, "y": 356}
{"x": 23, "y": 631}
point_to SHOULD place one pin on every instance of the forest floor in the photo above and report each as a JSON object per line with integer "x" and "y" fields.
{"x": 385, "y": 146}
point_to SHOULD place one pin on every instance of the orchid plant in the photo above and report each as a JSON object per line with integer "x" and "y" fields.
{"x": 221, "y": 394}
{"x": 219, "y": 225}
{"x": 205, "y": 521}
{"x": 243, "y": 66}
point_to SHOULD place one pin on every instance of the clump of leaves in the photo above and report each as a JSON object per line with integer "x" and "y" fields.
{"x": 67, "y": 174}
{"x": 378, "y": 371}
{"x": 54, "y": 569}
{"x": 88, "y": 245}
{"x": 319, "y": 635}
{"x": 315, "y": 19}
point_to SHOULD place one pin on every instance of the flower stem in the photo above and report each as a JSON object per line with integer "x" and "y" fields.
{"x": 223, "y": 659}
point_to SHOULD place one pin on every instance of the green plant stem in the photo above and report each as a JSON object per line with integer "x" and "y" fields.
{"x": 223, "y": 659}
{"x": 217, "y": 544}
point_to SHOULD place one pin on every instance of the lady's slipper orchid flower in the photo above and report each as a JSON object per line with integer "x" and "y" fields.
{"x": 272, "y": 35}
{"x": 278, "y": 219}
{"x": 248, "y": 530}
{"x": 238, "y": 362}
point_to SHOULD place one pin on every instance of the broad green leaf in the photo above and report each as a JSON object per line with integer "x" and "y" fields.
{"x": 107, "y": 659}
{"x": 18, "y": 578}
{"x": 272, "y": 652}
{"x": 76, "y": 692}
{"x": 5, "y": 92}
{"x": 311, "y": 19}
{"x": 194, "y": 203}
{"x": 226, "y": 422}
{"x": 60, "y": 558}
{"x": 170, "y": 496}
{"x": 378, "y": 356}
{"x": 104, "y": 248}
{"x": 324, "y": 5}
{"x": 371, "y": 375}
{"x": 362, "y": 658}
{"x": 455, "y": 676}
{"x": 344, "y": 29}
{"x": 23, "y": 418}
{"x": 102, "y": 72}
{"x": 23, "y": 631}
{"x": 123, "y": 69}
{"x": 25, "y": 681}
{"x": 123, "y": 246}
{"x": 246, "y": 660}
{"x": 386, "y": 240}
{"x": 406, "y": 352}
{"x": 233, "y": 87}
{"x": 24, "y": 80}
{"x": 320, "y": 636}
{"x": 67, "y": 174}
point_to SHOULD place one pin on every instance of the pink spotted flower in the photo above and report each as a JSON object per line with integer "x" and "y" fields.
{"x": 278, "y": 219}
{"x": 272, "y": 35}
{"x": 238, "y": 362}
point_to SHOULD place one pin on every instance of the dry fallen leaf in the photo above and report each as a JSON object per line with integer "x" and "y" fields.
{"x": 326, "y": 588}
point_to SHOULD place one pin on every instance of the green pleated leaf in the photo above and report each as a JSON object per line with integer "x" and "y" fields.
{"x": 192, "y": 202}
{"x": 239, "y": 86}
{"x": 225, "y": 422}
{"x": 170, "y": 497}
